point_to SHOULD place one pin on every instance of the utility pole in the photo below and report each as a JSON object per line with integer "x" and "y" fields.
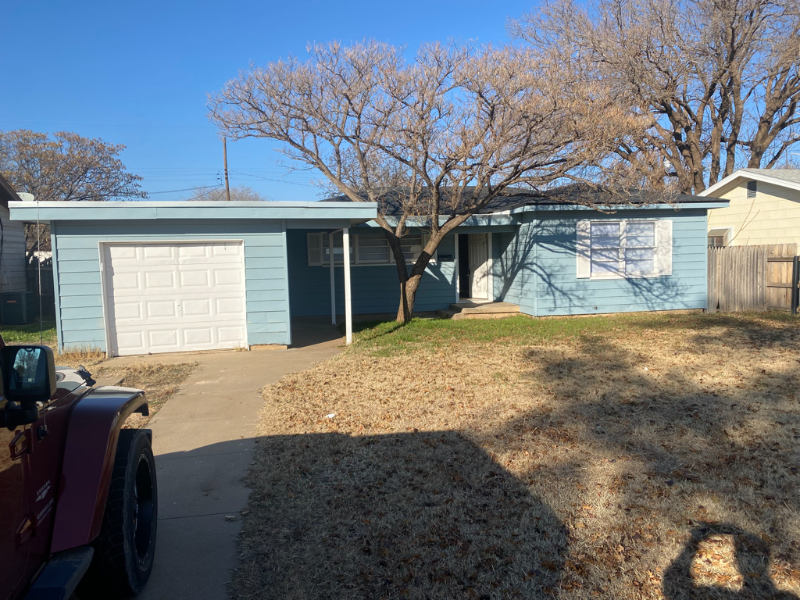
{"x": 225, "y": 159}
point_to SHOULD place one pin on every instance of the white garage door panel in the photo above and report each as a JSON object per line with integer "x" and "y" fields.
{"x": 175, "y": 297}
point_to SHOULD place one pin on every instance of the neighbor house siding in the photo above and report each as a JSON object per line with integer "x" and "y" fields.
{"x": 375, "y": 289}
{"x": 773, "y": 217}
{"x": 540, "y": 263}
{"x": 79, "y": 302}
{"x": 12, "y": 261}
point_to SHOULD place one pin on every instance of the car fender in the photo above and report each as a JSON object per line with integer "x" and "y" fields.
{"x": 89, "y": 452}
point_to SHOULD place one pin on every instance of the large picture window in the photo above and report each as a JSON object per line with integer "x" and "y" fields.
{"x": 365, "y": 248}
{"x": 631, "y": 249}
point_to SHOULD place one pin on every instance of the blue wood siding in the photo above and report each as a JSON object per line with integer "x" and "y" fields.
{"x": 375, "y": 289}
{"x": 78, "y": 278}
{"x": 538, "y": 268}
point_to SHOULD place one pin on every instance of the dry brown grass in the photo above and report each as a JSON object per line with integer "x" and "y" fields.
{"x": 87, "y": 358}
{"x": 159, "y": 381}
{"x": 643, "y": 461}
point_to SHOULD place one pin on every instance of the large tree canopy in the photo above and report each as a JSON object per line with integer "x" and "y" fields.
{"x": 64, "y": 167}
{"x": 719, "y": 78}
{"x": 443, "y": 134}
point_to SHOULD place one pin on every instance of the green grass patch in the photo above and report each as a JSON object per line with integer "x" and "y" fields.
{"x": 388, "y": 337}
{"x": 30, "y": 334}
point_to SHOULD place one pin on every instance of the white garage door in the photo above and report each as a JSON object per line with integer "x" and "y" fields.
{"x": 174, "y": 297}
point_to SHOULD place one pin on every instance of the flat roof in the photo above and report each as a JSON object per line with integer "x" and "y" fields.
{"x": 45, "y": 212}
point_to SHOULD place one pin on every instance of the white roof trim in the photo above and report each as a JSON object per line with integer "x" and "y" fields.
{"x": 746, "y": 174}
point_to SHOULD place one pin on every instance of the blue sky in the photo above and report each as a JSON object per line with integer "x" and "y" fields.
{"x": 138, "y": 73}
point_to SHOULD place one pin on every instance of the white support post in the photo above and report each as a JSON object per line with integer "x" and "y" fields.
{"x": 333, "y": 278}
{"x": 348, "y": 307}
{"x": 491, "y": 266}
{"x": 455, "y": 268}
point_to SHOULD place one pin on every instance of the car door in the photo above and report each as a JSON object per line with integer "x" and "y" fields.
{"x": 15, "y": 527}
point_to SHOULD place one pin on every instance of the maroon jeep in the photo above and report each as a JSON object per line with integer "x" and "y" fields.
{"x": 78, "y": 500}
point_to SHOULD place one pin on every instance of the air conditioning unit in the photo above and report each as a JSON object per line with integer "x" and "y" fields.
{"x": 17, "y": 308}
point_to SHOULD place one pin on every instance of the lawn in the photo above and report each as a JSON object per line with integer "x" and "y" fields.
{"x": 30, "y": 334}
{"x": 633, "y": 456}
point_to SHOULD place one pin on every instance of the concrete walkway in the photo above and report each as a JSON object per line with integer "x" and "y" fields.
{"x": 203, "y": 438}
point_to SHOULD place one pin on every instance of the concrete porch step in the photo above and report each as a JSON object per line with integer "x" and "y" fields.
{"x": 479, "y": 310}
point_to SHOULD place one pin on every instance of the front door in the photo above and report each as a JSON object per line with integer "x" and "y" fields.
{"x": 479, "y": 266}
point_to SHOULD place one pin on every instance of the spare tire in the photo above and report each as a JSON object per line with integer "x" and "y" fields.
{"x": 124, "y": 550}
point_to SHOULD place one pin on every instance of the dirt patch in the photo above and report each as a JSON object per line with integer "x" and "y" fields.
{"x": 159, "y": 381}
{"x": 635, "y": 462}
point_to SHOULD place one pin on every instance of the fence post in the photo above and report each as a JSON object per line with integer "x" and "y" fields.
{"x": 795, "y": 282}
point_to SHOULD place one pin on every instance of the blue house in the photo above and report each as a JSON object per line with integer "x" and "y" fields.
{"x": 147, "y": 277}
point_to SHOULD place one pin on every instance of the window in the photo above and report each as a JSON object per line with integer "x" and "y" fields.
{"x": 716, "y": 241}
{"x": 373, "y": 249}
{"x": 719, "y": 238}
{"x": 319, "y": 253}
{"x": 365, "y": 248}
{"x": 631, "y": 249}
{"x": 752, "y": 189}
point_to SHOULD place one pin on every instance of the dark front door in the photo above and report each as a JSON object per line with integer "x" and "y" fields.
{"x": 463, "y": 266}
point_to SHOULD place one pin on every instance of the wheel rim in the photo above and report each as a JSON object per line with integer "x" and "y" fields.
{"x": 143, "y": 508}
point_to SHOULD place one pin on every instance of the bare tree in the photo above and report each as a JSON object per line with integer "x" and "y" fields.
{"x": 442, "y": 135}
{"x": 239, "y": 193}
{"x": 719, "y": 77}
{"x": 65, "y": 167}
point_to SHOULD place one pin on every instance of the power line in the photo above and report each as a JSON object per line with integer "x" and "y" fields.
{"x": 272, "y": 179}
{"x": 202, "y": 187}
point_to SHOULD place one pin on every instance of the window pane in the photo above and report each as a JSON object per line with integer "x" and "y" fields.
{"x": 640, "y": 267}
{"x": 605, "y": 230}
{"x": 412, "y": 247}
{"x": 373, "y": 249}
{"x": 338, "y": 255}
{"x": 640, "y": 241}
{"x": 640, "y": 234}
{"x": 641, "y": 228}
{"x": 606, "y": 268}
{"x": 606, "y": 254}
{"x": 605, "y": 242}
{"x": 640, "y": 254}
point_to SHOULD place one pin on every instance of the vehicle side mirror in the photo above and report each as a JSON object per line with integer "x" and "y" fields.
{"x": 29, "y": 376}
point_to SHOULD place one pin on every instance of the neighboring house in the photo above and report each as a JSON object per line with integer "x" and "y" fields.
{"x": 12, "y": 244}
{"x": 141, "y": 277}
{"x": 764, "y": 208}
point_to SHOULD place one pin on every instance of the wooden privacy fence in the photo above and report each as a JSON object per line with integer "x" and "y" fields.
{"x": 753, "y": 278}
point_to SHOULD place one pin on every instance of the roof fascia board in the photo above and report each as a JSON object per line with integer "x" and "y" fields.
{"x": 711, "y": 203}
{"x": 103, "y": 211}
{"x": 484, "y": 220}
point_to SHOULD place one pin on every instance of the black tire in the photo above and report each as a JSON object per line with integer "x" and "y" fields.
{"x": 124, "y": 550}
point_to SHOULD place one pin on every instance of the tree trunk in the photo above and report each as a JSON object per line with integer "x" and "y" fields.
{"x": 408, "y": 295}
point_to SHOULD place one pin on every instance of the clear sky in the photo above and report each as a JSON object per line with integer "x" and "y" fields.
{"x": 138, "y": 73}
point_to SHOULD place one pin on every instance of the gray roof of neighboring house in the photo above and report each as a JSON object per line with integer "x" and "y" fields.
{"x": 512, "y": 198}
{"x": 7, "y": 193}
{"x": 792, "y": 175}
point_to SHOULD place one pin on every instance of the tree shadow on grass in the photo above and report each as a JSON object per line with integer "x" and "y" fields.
{"x": 661, "y": 443}
{"x": 752, "y": 561}
{"x": 416, "y": 515}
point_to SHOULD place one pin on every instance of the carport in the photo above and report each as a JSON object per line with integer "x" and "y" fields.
{"x": 149, "y": 277}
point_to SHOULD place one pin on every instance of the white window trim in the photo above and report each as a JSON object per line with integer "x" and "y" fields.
{"x": 321, "y": 260}
{"x": 663, "y": 249}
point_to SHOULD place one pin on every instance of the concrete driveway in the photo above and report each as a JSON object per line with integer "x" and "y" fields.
{"x": 203, "y": 439}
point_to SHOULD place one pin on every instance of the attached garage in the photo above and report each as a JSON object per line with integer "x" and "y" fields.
{"x": 173, "y": 297}
{"x": 152, "y": 277}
